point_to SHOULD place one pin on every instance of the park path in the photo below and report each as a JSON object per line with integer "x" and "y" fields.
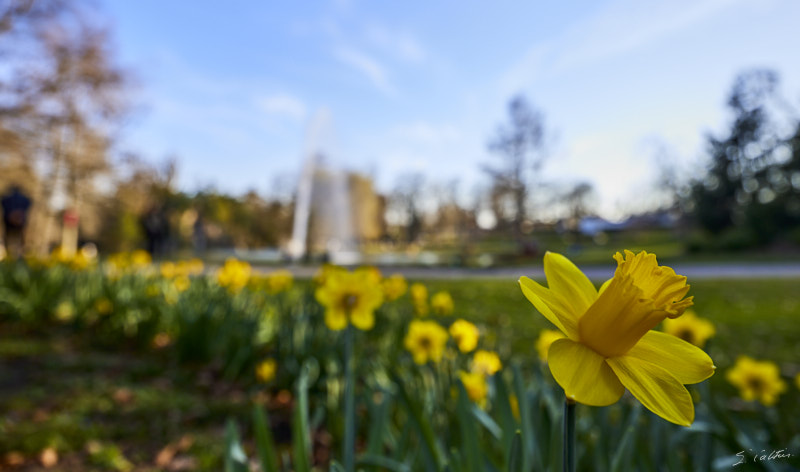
{"x": 693, "y": 271}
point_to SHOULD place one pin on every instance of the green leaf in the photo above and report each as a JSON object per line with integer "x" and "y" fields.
{"x": 301, "y": 435}
{"x": 264, "y": 442}
{"x": 336, "y": 467}
{"x": 621, "y": 459}
{"x": 532, "y": 459}
{"x": 235, "y": 458}
{"x": 377, "y": 428}
{"x": 516, "y": 455}
{"x": 383, "y": 462}
{"x": 420, "y": 423}
{"x": 470, "y": 442}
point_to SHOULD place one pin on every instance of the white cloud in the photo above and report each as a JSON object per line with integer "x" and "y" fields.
{"x": 399, "y": 44}
{"x": 621, "y": 27}
{"x": 426, "y": 133}
{"x": 367, "y": 66}
{"x": 283, "y": 105}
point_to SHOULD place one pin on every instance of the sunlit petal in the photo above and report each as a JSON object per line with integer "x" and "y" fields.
{"x": 555, "y": 309}
{"x": 363, "y": 319}
{"x": 583, "y": 374}
{"x": 566, "y": 280}
{"x": 336, "y": 320}
{"x": 686, "y": 362}
{"x": 657, "y": 389}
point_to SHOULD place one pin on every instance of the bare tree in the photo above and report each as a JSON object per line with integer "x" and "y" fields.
{"x": 63, "y": 98}
{"x": 520, "y": 146}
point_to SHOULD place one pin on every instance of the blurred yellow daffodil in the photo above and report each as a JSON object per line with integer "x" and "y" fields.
{"x": 609, "y": 345}
{"x": 419, "y": 298}
{"x": 394, "y": 287}
{"x": 756, "y": 380}
{"x": 475, "y": 385}
{"x": 266, "y": 369}
{"x": 465, "y": 334}
{"x": 279, "y": 281}
{"x": 690, "y": 328}
{"x": 442, "y": 303}
{"x": 425, "y": 341}
{"x": 350, "y": 297}
{"x": 234, "y": 275}
{"x": 182, "y": 283}
{"x": 546, "y": 338}
{"x": 486, "y": 362}
{"x": 103, "y": 306}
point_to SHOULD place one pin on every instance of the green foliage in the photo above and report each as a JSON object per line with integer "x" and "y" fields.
{"x": 408, "y": 416}
{"x": 750, "y": 195}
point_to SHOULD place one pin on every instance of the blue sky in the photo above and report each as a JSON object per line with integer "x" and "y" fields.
{"x": 230, "y": 88}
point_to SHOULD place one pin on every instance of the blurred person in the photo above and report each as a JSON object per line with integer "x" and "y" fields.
{"x": 199, "y": 234}
{"x": 156, "y": 229}
{"x": 15, "y": 217}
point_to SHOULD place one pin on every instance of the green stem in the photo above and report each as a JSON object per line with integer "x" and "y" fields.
{"x": 569, "y": 435}
{"x": 348, "y": 452}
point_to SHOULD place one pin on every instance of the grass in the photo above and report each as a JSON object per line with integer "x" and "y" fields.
{"x": 121, "y": 410}
{"x": 102, "y": 410}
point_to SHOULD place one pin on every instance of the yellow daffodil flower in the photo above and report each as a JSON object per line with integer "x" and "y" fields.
{"x": 182, "y": 283}
{"x": 279, "y": 281}
{"x": 690, "y": 328}
{"x": 140, "y": 258}
{"x": 350, "y": 297}
{"x": 103, "y": 306}
{"x": 324, "y": 272}
{"x": 234, "y": 275}
{"x": 756, "y": 380}
{"x": 609, "y": 345}
{"x": 370, "y": 272}
{"x": 465, "y": 334}
{"x": 442, "y": 303}
{"x": 266, "y": 369}
{"x": 486, "y": 362}
{"x": 475, "y": 385}
{"x": 394, "y": 287}
{"x": 425, "y": 341}
{"x": 65, "y": 311}
{"x": 545, "y": 339}
{"x": 168, "y": 270}
{"x": 419, "y": 298}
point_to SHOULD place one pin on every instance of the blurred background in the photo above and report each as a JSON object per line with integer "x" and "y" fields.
{"x": 456, "y": 134}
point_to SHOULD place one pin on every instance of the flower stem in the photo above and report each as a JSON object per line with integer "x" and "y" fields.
{"x": 348, "y": 451}
{"x": 569, "y": 436}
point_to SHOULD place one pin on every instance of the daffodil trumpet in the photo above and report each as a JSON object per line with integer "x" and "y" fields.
{"x": 609, "y": 345}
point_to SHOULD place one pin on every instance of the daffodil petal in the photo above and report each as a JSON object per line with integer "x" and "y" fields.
{"x": 551, "y": 306}
{"x": 565, "y": 279}
{"x": 335, "y": 320}
{"x": 604, "y": 286}
{"x": 583, "y": 373}
{"x": 686, "y": 362}
{"x": 658, "y": 390}
{"x": 363, "y": 319}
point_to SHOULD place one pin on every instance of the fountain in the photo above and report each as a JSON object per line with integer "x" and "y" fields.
{"x": 323, "y": 221}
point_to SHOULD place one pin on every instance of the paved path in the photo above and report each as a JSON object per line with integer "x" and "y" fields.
{"x": 692, "y": 270}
